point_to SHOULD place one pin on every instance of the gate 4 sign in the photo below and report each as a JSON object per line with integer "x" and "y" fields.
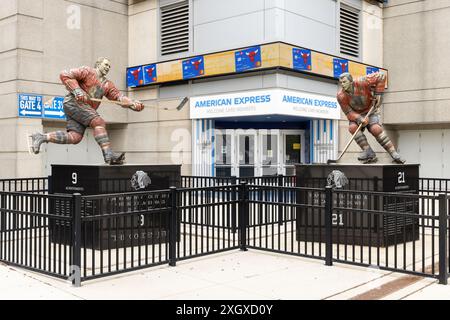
{"x": 54, "y": 109}
{"x": 30, "y": 106}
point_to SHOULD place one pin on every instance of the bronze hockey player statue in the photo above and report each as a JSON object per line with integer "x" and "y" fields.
{"x": 356, "y": 98}
{"x": 84, "y": 83}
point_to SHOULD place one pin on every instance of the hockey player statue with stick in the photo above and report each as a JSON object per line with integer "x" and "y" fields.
{"x": 84, "y": 83}
{"x": 356, "y": 98}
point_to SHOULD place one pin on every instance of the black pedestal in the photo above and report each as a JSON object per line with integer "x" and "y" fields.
{"x": 356, "y": 227}
{"x": 103, "y": 179}
{"x": 141, "y": 227}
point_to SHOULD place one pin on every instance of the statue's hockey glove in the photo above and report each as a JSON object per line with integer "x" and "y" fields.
{"x": 80, "y": 95}
{"x": 137, "y": 106}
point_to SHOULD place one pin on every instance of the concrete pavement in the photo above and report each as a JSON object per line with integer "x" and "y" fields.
{"x": 236, "y": 275}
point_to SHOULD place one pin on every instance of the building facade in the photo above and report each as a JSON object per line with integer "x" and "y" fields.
{"x": 39, "y": 40}
{"x": 260, "y": 105}
{"x": 416, "y": 50}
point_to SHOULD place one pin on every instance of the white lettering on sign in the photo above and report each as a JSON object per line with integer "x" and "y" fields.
{"x": 74, "y": 178}
{"x": 336, "y": 217}
{"x": 30, "y": 105}
{"x": 27, "y": 104}
{"x": 265, "y": 102}
{"x": 309, "y": 101}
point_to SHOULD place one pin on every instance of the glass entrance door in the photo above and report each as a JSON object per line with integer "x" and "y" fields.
{"x": 247, "y": 152}
{"x": 293, "y": 142}
{"x": 262, "y": 152}
{"x": 224, "y": 153}
{"x": 269, "y": 145}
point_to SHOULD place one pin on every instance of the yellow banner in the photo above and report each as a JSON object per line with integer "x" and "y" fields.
{"x": 265, "y": 56}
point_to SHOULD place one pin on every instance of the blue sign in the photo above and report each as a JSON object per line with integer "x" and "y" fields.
{"x": 370, "y": 70}
{"x": 248, "y": 59}
{"x": 135, "y": 77}
{"x": 339, "y": 66}
{"x": 150, "y": 73}
{"x": 193, "y": 67}
{"x": 302, "y": 59}
{"x": 30, "y": 106}
{"x": 54, "y": 109}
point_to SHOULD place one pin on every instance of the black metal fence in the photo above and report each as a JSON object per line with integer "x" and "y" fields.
{"x": 30, "y": 185}
{"x": 201, "y": 181}
{"x": 434, "y": 186}
{"x": 208, "y": 220}
{"x": 26, "y": 225}
{"x": 390, "y": 231}
{"x": 272, "y": 224}
{"x": 121, "y": 232}
{"x": 427, "y": 186}
{"x": 86, "y": 237}
{"x": 398, "y": 232}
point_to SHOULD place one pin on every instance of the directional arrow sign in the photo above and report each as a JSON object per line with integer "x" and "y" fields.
{"x": 55, "y": 110}
{"x": 50, "y": 114}
{"x": 27, "y": 113}
{"x": 30, "y": 106}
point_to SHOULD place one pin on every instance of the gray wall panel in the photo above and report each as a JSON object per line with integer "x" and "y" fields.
{"x": 166, "y": 92}
{"x": 301, "y": 83}
{"x": 309, "y": 33}
{"x": 213, "y": 10}
{"x": 229, "y": 85}
{"x": 252, "y": 82}
{"x": 322, "y": 10}
{"x": 220, "y": 25}
{"x": 274, "y": 25}
{"x": 230, "y": 33}
{"x": 354, "y": 3}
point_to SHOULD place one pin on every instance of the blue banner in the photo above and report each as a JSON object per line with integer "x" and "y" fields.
{"x": 370, "y": 70}
{"x": 193, "y": 67}
{"x": 339, "y": 66}
{"x": 54, "y": 109}
{"x": 150, "y": 73}
{"x": 30, "y": 106}
{"x": 248, "y": 59}
{"x": 302, "y": 59}
{"x": 135, "y": 77}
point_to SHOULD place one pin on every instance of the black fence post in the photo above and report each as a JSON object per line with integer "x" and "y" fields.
{"x": 3, "y": 219}
{"x": 280, "y": 199}
{"x": 443, "y": 264}
{"x": 375, "y": 183}
{"x": 233, "y": 207}
{"x": 377, "y": 219}
{"x": 76, "y": 238}
{"x": 328, "y": 226}
{"x": 243, "y": 215}
{"x": 49, "y": 185}
{"x": 173, "y": 227}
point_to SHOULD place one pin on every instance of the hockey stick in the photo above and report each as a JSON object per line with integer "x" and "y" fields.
{"x": 178, "y": 108}
{"x": 353, "y": 136}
